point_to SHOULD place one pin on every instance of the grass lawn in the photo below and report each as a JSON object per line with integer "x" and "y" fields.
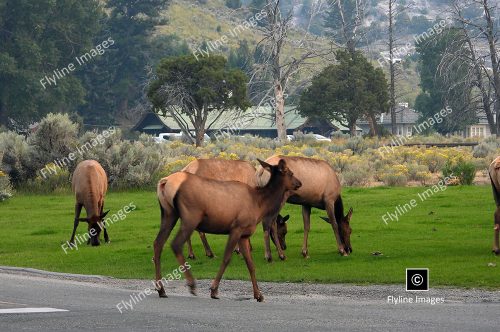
{"x": 451, "y": 233}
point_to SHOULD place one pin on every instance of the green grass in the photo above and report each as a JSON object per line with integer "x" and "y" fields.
{"x": 451, "y": 233}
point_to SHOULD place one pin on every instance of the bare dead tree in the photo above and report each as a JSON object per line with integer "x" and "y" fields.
{"x": 395, "y": 8}
{"x": 484, "y": 30}
{"x": 478, "y": 76}
{"x": 275, "y": 68}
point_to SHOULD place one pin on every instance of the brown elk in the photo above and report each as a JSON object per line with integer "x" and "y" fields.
{"x": 229, "y": 170}
{"x": 321, "y": 189}
{"x": 218, "y": 207}
{"x": 494, "y": 171}
{"x": 89, "y": 184}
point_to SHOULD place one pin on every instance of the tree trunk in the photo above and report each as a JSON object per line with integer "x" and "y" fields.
{"x": 280, "y": 111}
{"x": 490, "y": 33}
{"x": 352, "y": 128}
{"x": 392, "y": 88}
{"x": 200, "y": 136}
{"x": 372, "y": 121}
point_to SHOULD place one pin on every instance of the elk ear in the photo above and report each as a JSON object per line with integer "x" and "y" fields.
{"x": 282, "y": 165}
{"x": 326, "y": 219}
{"x": 265, "y": 165}
{"x": 349, "y": 215}
{"x": 104, "y": 214}
{"x": 285, "y": 218}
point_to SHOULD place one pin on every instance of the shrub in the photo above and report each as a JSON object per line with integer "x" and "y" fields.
{"x": 483, "y": 149}
{"x": 59, "y": 181}
{"x": 395, "y": 175}
{"x": 433, "y": 158}
{"x": 16, "y": 158}
{"x": 393, "y": 179}
{"x": 356, "y": 175}
{"x": 418, "y": 173}
{"x": 5, "y": 187}
{"x": 464, "y": 171}
{"x": 55, "y": 138}
{"x": 357, "y": 144}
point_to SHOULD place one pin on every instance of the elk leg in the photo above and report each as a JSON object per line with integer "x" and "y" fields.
{"x": 274, "y": 229}
{"x": 177, "y": 243}
{"x": 496, "y": 231}
{"x": 168, "y": 220}
{"x": 233, "y": 239}
{"x": 208, "y": 250}
{"x": 78, "y": 211}
{"x": 335, "y": 227}
{"x": 190, "y": 249}
{"x": 106, "y": 237}
{"x": 267, "y": 251}
{"x": 245, "y": 251}
{"x": 306, "y": 217}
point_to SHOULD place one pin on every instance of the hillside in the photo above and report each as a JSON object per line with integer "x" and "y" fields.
{"x": 208, "y": 21}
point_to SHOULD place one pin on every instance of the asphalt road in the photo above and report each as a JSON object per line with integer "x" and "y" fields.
{"x": 90, "y": 303}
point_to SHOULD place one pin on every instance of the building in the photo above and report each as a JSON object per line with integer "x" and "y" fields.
{"x": 406, "y": 119}
{"x": 255, "y": 121}
{"x": 479, "y": 129}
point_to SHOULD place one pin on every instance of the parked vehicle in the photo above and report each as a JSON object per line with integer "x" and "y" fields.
{"x": 162, "y": 137}
{"x": 320, "y": 138}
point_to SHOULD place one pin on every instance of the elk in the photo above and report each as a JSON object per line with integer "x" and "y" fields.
{"x": 321, "y": 189}
{"x": 494, "y": 172}
{"x": 89, "y": 184}
{"x": 230, "y": 170}
{"x": 218, "y": 207}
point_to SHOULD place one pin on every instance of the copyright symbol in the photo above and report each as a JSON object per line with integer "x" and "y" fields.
{"x": 417, "y": 280}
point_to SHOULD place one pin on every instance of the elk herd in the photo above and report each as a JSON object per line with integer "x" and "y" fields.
{"x": 232, "y": 197}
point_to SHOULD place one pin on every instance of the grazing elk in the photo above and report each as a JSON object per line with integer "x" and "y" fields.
{"x": 321, "y": 189}
{"x": 229, "y": 170}
{"x": 218, "y": 207}
{"x": 89, "y": 185}
{"x": 494, "y": 171}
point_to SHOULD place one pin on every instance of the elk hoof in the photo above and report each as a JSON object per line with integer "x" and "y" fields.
{"x": 282, "y": 257}
{"x": 237, "y": 251}
{"x": 214, "y": 293}
{"x": 191, "y": 256}
{"x": 269, "y": 259}
{"x": 305, "y": 254}
{"x": 496, "y": 251}
{"x": 210, "y": 255}
{"x": 192, "y": 289}
{"x": 259, "y": 298}
{"x": 162, "y": 293}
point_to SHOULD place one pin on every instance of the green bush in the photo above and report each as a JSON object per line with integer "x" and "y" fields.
{"x": 464, "y": 171}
